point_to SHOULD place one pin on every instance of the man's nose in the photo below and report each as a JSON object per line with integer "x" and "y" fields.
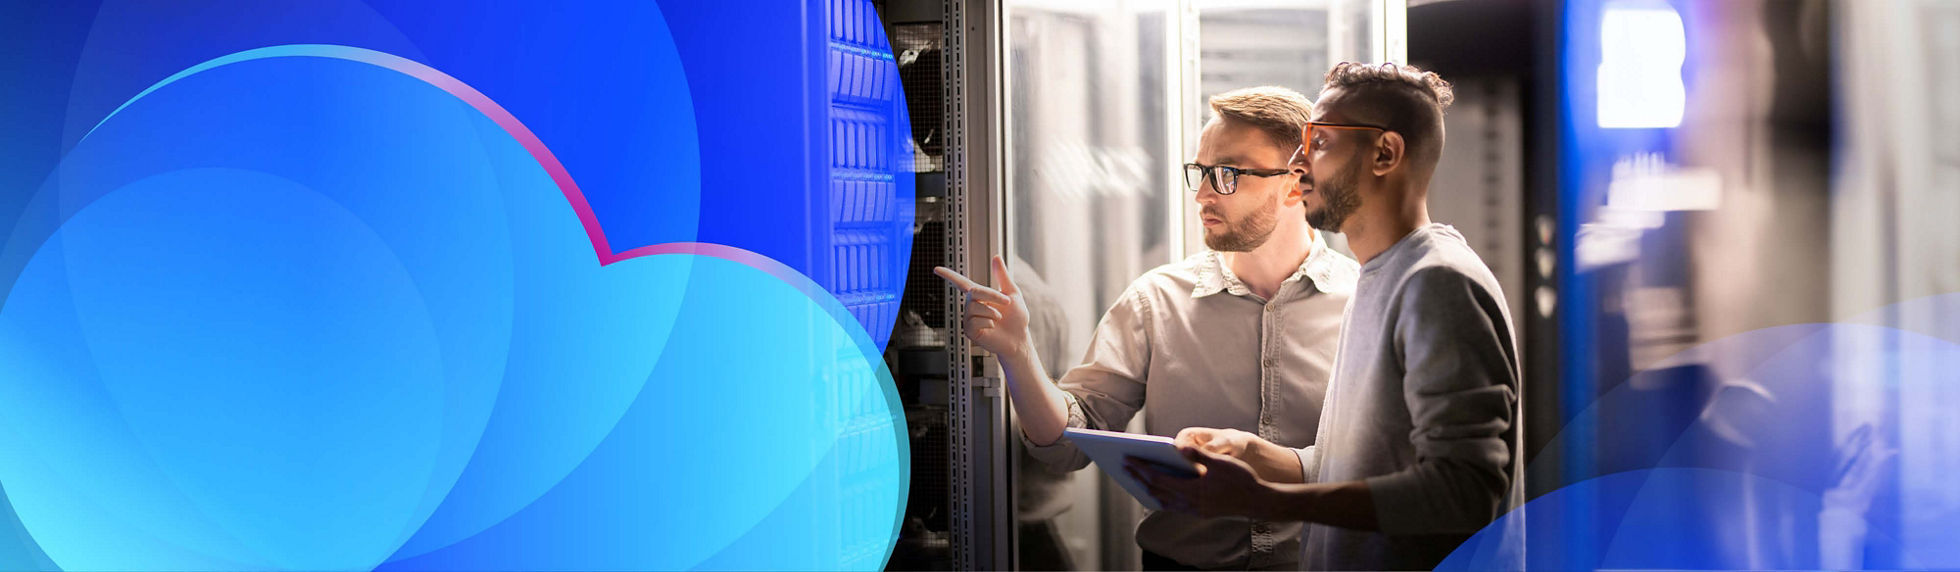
{"x": 1207, "y": 194}
{"x": 1299, "y": 158}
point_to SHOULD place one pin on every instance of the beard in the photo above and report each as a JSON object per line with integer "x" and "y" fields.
{"x": 1339, "y": 199}
{"x": 1246, "y": 233}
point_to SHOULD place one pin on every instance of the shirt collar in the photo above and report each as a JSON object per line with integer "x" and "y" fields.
{"x": 1323, "y": 267}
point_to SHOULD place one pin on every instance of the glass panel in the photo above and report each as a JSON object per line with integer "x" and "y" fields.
{"x": 1242, "y": 44}
{"x": 1288, "y": 43}
{"x": 1088, "y": 165}
{"x": 1097, "y": 123}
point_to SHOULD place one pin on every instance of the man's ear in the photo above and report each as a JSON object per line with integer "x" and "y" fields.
{"x": 1390, "y": 151}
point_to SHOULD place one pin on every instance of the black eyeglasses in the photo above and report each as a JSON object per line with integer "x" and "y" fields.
{"x": 1223, "y": 179}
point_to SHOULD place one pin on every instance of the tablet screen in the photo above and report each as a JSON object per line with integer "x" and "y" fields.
{"x": 1109, "y": 449}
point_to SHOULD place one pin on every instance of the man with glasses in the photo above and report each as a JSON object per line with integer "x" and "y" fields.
{"x": 1418, "y": 442}
{"x": 1242, "y": 335}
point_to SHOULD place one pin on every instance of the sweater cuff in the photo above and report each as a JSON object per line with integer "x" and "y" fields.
{"x": 1398, "y": 503}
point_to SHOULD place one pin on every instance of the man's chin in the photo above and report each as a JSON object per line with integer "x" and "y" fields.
{"x": 1217, "y": 242}
{"x": 1319, "y": 222}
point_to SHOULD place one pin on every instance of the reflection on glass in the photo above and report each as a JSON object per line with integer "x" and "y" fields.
{"x": 1087, "y": 149}
{"x": 1288, "y": 43}
{"x": 1097, "y": 123}
{"x": 1264, "y": 43}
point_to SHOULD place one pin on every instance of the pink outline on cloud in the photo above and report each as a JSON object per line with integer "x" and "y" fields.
{"x": 601, "y": 246}
{"x": 545, "y": 158}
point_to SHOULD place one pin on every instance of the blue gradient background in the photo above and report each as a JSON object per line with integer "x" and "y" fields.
{"x": 1734, "y": 480}
{"x": 1806, "y": 446}
{"x": 317, "y": 314}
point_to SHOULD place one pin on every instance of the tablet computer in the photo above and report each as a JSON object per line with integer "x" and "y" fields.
{"x": 1109, "y": 448}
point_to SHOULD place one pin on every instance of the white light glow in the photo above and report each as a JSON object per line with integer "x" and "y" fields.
{"x": 1642, "y": 46}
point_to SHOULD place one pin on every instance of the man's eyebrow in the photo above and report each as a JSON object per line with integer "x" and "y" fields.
{"x": 1226, "y": 160}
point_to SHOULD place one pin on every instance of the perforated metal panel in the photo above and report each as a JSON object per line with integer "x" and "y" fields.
{"x": 960, "y": 446}
{"x": 919, "y": 351}
{"x": 983, "y": 514}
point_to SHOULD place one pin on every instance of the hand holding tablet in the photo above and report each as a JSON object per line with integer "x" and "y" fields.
{"x": 1109, "y": 449}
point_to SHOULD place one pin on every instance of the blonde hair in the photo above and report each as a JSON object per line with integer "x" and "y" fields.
{"x": 1277, "y": 111}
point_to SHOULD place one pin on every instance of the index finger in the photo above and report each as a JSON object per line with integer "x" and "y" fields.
{"x": 959, "y": 281}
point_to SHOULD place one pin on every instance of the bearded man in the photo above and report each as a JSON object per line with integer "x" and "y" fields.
{"x": 1241, "y": 336}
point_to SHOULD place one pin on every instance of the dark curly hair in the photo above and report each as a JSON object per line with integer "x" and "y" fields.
{"x": 1403, "y": 98}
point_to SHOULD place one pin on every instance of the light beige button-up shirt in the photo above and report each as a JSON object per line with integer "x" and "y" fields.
{"x": 1190, "y": 345}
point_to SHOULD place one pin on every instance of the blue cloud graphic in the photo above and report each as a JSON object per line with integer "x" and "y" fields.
{"x": 314, "y": 313}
